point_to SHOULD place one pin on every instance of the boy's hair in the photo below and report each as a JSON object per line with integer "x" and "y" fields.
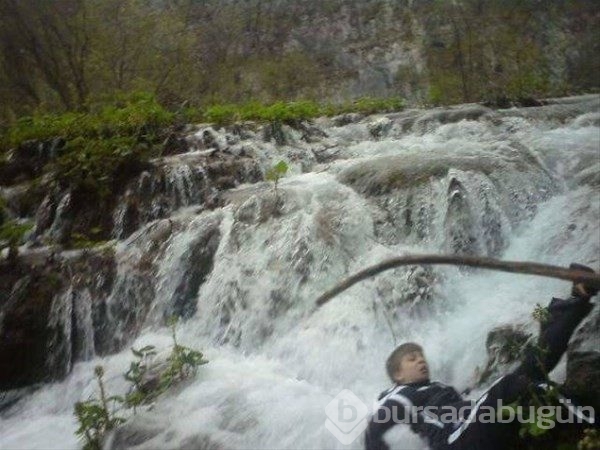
{"x": 393, "y": 362}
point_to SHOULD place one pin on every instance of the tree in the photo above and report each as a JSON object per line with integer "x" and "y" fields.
{"x": 45, "y": 47}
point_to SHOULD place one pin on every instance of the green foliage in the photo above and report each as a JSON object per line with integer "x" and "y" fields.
{"x": 95, "y": 417}
{"x": 534, "y": 422}
{"x": 436, "y": 94}
{"x": 540, "y": 314}
{"x": 291, "y": 112}
{"x": 222, "y": 114}
{"x": 590, "y": 440}
{"x": 136, "y": 114}
{"x": 276, "y": 112}
{"x": 93, "y": 165}
{"x": 183, "y": 362}
{"x": 136, "y": 374}
{"x": 276, "y": 172}
{"x": 372, "y": 105}
{"x": 79, "y": 240}
{"x": 14, "y": 231}
{"x": 105, "y": 146}
{"x": 138, "y": 117}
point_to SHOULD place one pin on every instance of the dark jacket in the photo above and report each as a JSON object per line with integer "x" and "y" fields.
{"x": 420, "y": 405}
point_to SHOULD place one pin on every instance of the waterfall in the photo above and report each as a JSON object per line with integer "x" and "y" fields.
{"x": 519, "y": 184}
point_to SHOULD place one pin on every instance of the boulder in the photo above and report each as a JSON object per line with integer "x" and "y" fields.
{"x": 27, "y": 334}
{"x": 504, "y": 346}
{"x": 380, "y": 127}
{"x": 174, "y": 144}
{"x": 583, "y": 362}
{"x": 28, "y": 159}
{"x": 47, "y": 302}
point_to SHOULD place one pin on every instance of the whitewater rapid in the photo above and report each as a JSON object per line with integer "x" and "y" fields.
{"x": 276, "y": 361}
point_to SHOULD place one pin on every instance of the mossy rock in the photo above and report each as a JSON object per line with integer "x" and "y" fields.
{"x": 25, "y": 333}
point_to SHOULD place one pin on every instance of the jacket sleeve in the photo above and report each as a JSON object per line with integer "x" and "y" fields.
{"x": 393, "y": 410}
{"x": 562, "y": 319}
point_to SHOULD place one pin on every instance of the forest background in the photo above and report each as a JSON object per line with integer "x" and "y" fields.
{"x": 73, "y": 55}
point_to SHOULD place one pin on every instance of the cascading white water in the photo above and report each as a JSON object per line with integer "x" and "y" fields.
{"x": 516, "y": 187}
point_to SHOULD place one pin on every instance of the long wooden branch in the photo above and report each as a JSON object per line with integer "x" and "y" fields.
{"x": 530, "y": 268}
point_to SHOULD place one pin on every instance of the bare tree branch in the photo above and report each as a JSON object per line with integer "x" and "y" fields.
{"x": 530, "y": 268}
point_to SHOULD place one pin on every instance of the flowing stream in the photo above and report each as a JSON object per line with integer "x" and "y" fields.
{"x": 520, "y": 184}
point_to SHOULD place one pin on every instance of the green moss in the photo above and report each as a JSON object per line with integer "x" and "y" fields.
{"x": 79, "y": 240}
{"x": 14, "y": 231}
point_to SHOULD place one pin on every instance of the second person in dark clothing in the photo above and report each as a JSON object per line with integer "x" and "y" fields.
{"x": 423, "y": 404}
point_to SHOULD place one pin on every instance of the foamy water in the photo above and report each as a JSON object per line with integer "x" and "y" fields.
{"x": 275, "y": 360}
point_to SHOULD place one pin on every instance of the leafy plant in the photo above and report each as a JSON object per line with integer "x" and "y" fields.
{"x": 136, "y": 114}
{"x": 533, "y": 420}
{"x": 277, "y": 172}
{"x": 274, "y": 174}
{"x": 183, "y": 362}
{"x": 541, "y": 314}
{"x": 290, "y": 112}
{"x": 222, "y": 114}
{"x": 95, "y": 417}
{"x": 136, "y": 375}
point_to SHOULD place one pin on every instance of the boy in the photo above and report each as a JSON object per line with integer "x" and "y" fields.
{"x": 422, "y": 403}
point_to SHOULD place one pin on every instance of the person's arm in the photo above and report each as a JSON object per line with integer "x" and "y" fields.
{"x": 392, "y": 410}
{"x": 563, "y": 317}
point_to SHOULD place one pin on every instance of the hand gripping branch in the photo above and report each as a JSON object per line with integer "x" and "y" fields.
{"x": 529, "y": 268}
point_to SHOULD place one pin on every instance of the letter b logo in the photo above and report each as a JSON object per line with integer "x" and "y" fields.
{"x": 346, "y": 417}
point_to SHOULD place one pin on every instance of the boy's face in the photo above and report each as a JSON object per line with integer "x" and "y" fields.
{"x": 413, "y": 368}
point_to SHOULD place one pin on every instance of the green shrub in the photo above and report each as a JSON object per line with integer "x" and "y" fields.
{"x": 96, "y": 417}
{"x": 290, "y": 112}
{"x": 369, "y": 105}
{"x": 93, "y": 164}
{"x": 222, "y": 114}
{"x": 136, "y": 375}
{"x": 136, "y": 114}
{"x": 276, "y": 172}
{"x": 182, "y": 363}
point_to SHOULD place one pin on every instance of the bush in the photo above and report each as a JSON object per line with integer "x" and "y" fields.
{"x": 94, "y": 415}
{"x": 94, "y": 165}
{"x": 222, "y": 114}
{"x": 290, "y": 112}
{"x": 369, "y": 105}
{"x": 137, "y": 114}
